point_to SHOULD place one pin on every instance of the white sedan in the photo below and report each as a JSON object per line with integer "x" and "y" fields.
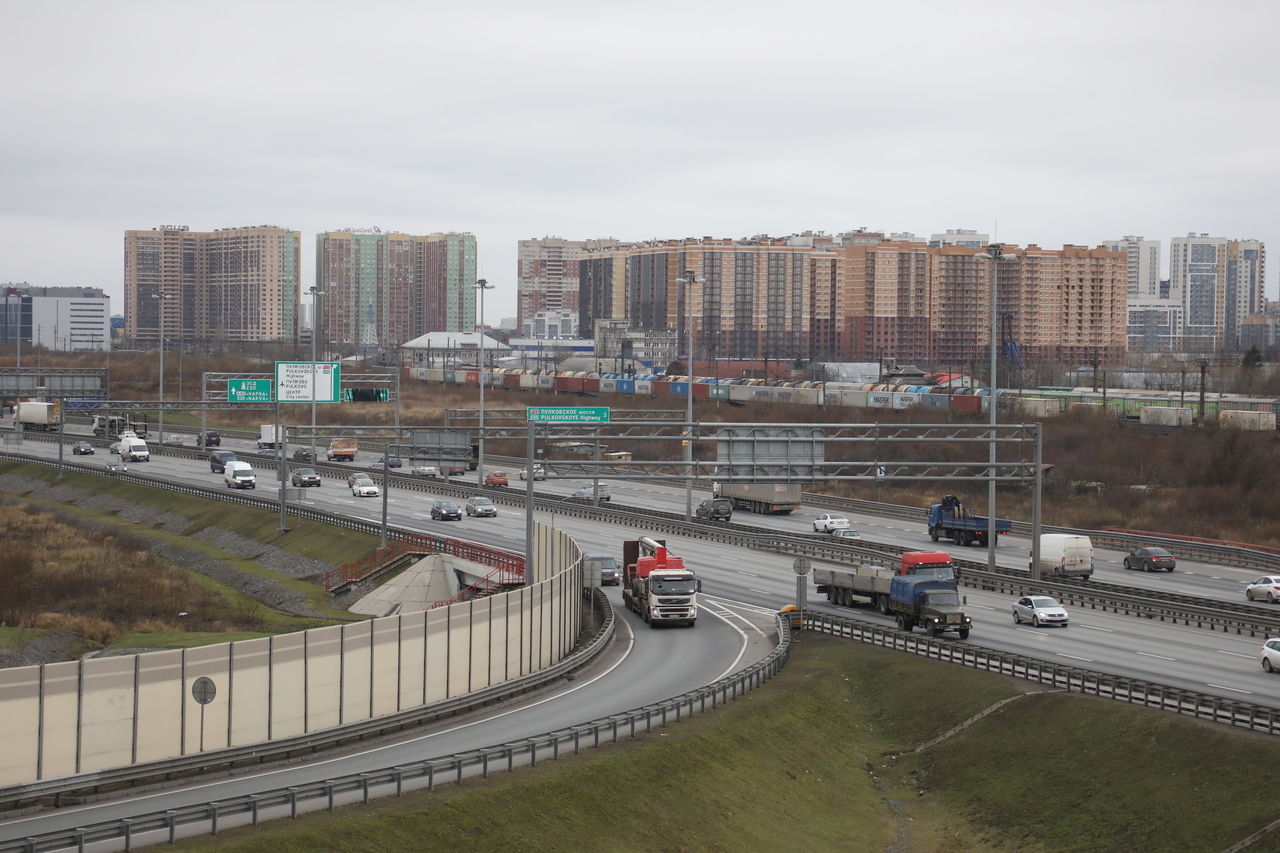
{"x": 539, "y": 473}
{"x": 1264, "y": 589}
{"x": 828, "y": 522}
{"x": 1040, "y": 610}
{"x": 365, "y": 489}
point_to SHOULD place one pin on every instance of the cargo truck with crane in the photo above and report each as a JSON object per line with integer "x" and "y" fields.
{"x": 656, "y": 585}
{"x": 950, "y": 520}
{"x": 869, "y": 582}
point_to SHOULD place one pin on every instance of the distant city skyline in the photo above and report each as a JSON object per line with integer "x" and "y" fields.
{"x": 1031, "y": 124}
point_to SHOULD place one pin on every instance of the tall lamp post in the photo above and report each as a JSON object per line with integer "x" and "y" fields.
{"x": 160, "y": 298}
{"x": 689, "y": 280}
{"x": 316, "y": 293}
{"x": 482, "y": 285}
{"x": 995, "y": 254}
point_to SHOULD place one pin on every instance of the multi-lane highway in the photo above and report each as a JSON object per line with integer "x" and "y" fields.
{"x": 743, "y": 587}
{"x": 1215, "y": 663}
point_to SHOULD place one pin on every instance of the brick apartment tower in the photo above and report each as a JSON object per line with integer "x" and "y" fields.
{"x": 860, "y": 297}
{"x": 232, "y": 284}
{"x": 547, "y": 275}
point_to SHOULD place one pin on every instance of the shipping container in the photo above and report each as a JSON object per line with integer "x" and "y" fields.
{"x": 966, "y": 403}
{"x": 608, "y": 386}
{"x": 643, "y": 387}
{"x": 879, "y": 400}
{"x": 905, "y": 400}
{"x": 626, "y": 386}
{"x": 1166, "y": 416}
{"x": 545, "y": 381}
{"x": 1247, "y": 420}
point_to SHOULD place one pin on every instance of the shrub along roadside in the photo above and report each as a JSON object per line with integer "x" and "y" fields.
{"x": 807, "y": 763}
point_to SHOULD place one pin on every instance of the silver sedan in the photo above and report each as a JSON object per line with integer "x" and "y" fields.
{"x": 1039, "y": 610}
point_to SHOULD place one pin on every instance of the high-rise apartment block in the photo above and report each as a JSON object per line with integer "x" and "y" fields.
{"x": 1219, "y": 282}
{"x": 232, "y": 284}
{"x": 860, "y": 300}
{"x": 547, "y": 275}
{"x": 385, "y": 288}
{"x": 1144, "y": 265}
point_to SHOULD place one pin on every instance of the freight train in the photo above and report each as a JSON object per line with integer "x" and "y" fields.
{"x": 1044, "y": 401}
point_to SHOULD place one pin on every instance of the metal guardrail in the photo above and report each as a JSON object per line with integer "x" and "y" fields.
{"x": 57, "y": 791}
{"x": 1233, "y": 555}
{"x": 1149, "y": 694}
{"x": 173, "y": 824}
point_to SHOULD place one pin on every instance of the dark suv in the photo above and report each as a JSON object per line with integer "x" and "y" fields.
{"x": 218, "y": 460}
{"x": 303, "y": 477}
{"x": 715, "y": 509}
{"x": 209, "y": 439}
{"x": 303, "y": 454}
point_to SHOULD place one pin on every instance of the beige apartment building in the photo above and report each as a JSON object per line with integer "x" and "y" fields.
{"x": 862, "y": 299}
{"x": 230, "y": 284}
{"x": 547, "y": 275}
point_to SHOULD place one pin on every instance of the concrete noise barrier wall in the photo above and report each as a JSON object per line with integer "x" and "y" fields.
{"x": 89, "y": 715}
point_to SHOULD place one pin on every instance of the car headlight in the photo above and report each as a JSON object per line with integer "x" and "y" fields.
{"x": 967, "y": 619}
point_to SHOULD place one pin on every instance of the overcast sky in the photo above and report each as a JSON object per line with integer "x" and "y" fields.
{"x": 1046, "y": 123}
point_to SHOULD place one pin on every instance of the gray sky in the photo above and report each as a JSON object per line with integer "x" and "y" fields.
{"x": 1044, "y": 123}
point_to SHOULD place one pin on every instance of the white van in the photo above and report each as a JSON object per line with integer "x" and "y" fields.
{"x": 239, "y": 475}
{"x": 134, "y": 450}
{"x": 1065, "y": 555}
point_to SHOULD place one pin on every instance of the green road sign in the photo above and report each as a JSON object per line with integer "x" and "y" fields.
{"x": 568, "y": 414}
{"x": 249, "y": 391}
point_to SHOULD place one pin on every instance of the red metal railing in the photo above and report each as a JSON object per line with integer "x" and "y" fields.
{"x": 512, "y": 565}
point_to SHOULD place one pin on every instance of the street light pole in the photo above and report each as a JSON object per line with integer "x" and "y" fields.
{"x": 995, "y": 254}
{"x": 688, "y": 281}
{"x": 316, "y": 293}
{"x": 482, "y": 285}
{"x": 160, "y": 298}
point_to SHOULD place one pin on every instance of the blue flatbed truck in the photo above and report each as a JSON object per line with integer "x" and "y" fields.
{"x": 950, "y": 520}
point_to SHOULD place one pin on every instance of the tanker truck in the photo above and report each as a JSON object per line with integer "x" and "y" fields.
{"x": 656, "y": 584}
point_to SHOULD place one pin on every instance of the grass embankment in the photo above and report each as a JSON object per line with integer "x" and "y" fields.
{"x": 111, "y": 589}
{"x": 806, "y": 764}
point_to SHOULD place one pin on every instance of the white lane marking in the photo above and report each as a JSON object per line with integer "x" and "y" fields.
{"x": 740, "y": 605}
{"x": 1029, "y": 631}
{"x": 983, "y": 606}
{"x": 727, "y": 612}
{"x": 761, "y": 591}
{"x": 748, "y": 574}
{"x": 1075, "y": 657}
{"x": 1149, "y": 655}
{"x": 1096, "y": 628}
{"x": 746, "y": 642}
{"x": 1232, "y": 689}
{"x": 1237, "y": 654}
{"x": 622, "y": 623}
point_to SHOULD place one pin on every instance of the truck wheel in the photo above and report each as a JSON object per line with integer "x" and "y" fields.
{"x": 935, "y": 632}
{"x": 964, "y": 633}
{"x": 882, "y": 604}
{"x": 933, "y": 534}
{"x": 899, "y": 621}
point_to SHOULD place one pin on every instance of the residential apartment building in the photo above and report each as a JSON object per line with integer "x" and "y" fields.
{"x": 547, "y": 275}
{"x": 1144, "y": 265}
{"x": 1219, "y": 282}
{"x": 860, "y": 300}
{"x": 68, "y": 319}
{"x": 386, "y": 288}
{"x": 231, "y": 284}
